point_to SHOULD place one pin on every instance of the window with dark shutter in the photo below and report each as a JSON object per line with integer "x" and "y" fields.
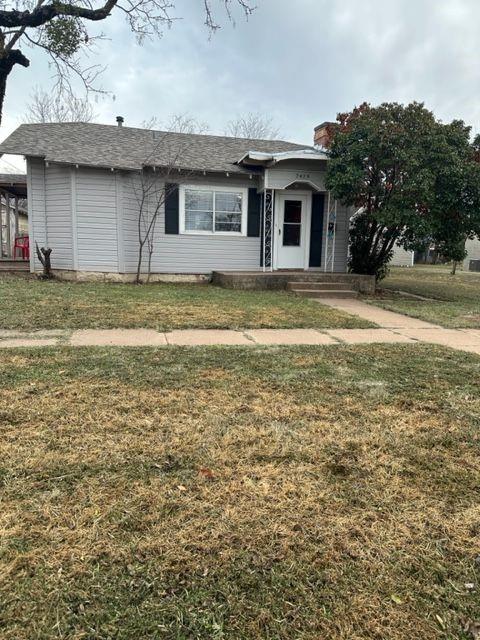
{"x": 171, "y": 208}
{"x": 254, "y": 213}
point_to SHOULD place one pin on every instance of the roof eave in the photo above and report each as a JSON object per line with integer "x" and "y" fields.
{"x": 257, "y": 158}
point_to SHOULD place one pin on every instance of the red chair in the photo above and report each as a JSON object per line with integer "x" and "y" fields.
{"x": 22, "y": 243}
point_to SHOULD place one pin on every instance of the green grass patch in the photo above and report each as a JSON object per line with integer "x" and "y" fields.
{"x": 29, "y": 303}
{"x": 230, "y": 493}
{"x": 454, "y": 301}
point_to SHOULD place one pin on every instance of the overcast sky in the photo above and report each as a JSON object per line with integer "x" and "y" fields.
{"x": 299, "y": 61}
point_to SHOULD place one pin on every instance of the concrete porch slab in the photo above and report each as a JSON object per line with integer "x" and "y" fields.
{"x": 199, "y": 337}
{"x": 288, "y": 336}
{"x": 117, "y": 337}
{"x": 368, "y": 336}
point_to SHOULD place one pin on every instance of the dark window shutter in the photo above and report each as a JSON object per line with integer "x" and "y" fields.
{"x": 254, "y": 209}
{"x": 316, "y": 230}
{"x": 171, "y": 208}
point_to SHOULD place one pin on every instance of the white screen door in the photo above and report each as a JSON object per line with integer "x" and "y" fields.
{"x": 291, "y": 236}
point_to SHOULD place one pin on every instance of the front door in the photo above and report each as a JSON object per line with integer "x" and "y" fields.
{"x": 291, "y": 216}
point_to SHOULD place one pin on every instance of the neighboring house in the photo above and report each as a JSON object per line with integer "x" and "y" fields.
{"x": 232, "y": 204}
{"x": 13, "y": 212}
{"x": 402, "y": 258}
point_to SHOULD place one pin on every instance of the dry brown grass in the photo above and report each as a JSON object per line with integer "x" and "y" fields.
{"x": 452, "y": 301}
{"x": 29, "y": 303}
{"x": 298, "y": 493}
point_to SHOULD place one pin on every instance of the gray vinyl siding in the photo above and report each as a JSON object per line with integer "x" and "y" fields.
{"x": 89, "y": 218}
{"x": 96, "y": 220}
{"x": 36, "y": 208}
{"x": 73, "y": 211}
{"x": 58, "y": 205}
{"x": 341, "y": 251}
{"x": 341, "y": 236}
{"x": 186, "y": 253}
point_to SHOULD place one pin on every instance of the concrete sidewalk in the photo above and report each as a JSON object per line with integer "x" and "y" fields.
{"x": 457, "y": 339}
{"x": 393, "y": 328}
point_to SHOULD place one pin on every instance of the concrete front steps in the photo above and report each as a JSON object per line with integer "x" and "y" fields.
{"x": 319, "y": 289}
{"x": 278, "y": 280}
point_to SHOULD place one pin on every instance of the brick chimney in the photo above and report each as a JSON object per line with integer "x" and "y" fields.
{"x": 120, "y": 121}
{"x": 320, "y": 138}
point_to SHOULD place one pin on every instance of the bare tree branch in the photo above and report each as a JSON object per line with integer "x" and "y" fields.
{"x": 177, "y": 123}
{"x": 254, "y": 126}
{"x": 150, "y": 188}
{"x": 210, "y": 20}
{"x": 60, "y": 30}
{"x": 58, "y": 107}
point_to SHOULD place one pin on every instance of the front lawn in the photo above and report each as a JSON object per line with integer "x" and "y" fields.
{"x": 229, "y": 493}
{"x": 28, "y": 303}
{"x": 454, "y": 300}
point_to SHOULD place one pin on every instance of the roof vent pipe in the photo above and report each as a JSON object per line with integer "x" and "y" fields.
{"x": 120, "y": 121}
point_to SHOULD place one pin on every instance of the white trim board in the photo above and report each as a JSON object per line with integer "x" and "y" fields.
{"x": 73, "y": 199}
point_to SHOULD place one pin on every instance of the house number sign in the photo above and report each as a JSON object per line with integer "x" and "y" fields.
{"x": 303, "y": 176}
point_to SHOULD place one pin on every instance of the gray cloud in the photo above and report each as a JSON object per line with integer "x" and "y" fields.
{"x": 300, "y": 61}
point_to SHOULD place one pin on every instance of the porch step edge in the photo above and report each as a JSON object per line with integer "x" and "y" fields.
{"x": 325, "y": 293}
{"x": 319, "y": 285}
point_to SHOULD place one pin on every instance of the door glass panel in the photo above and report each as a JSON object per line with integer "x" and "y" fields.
{"x": 293, "y": 211}
{"x": 291, "y": 235}
{"x": 292, "y": 223}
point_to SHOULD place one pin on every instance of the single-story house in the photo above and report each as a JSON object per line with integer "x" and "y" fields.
{"x": 229, "y": 203}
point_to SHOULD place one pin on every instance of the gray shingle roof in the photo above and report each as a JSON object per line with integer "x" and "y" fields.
{"x": 101, "y": 145}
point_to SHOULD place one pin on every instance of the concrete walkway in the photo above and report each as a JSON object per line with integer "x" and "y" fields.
{"x": 377, "y": 315}
{"x": 412, "y": 328}
{"x": 393, "y": 328}
{"x": 464, "y": 340}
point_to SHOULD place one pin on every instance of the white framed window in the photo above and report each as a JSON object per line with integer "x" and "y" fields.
{"x": 213, "y": 210}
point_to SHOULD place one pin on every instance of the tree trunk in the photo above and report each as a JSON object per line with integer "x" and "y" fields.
{"x": 454, "y": 268}
{"x": 7, "y": 62}
{"x": 139, "y": 264}
{"x": 149, "y": 268}
{"x": 44, "y": 257}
